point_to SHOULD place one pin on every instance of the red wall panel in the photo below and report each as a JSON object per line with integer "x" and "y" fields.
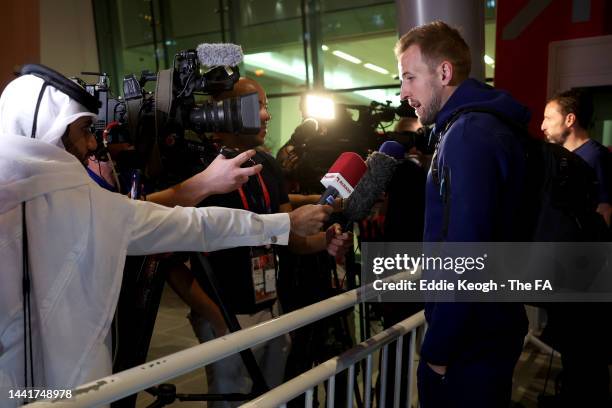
{"x": 521, "y": 64}
{"x": 20, "y": 34}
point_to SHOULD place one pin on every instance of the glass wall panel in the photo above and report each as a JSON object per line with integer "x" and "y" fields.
{"x": 286, "y": 117}
{"x": 357, "y": 44}
{"x": 137, "y": 36}
{"x": 356, "y": 38}
{"x": 255, "y": 12}
{"x": 271, "y": 37}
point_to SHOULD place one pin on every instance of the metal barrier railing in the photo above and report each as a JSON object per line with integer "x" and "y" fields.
{"x": 306, "y": 382}
{"x": 128, "y": 382}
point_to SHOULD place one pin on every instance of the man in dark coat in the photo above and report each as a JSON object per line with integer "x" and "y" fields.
{"x": 470, "y": 349}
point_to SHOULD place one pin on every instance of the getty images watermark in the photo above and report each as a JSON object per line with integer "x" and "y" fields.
{"x": 489, "y": 272}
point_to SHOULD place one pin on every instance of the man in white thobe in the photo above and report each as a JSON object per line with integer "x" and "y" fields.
{"x": 78, "y": 235}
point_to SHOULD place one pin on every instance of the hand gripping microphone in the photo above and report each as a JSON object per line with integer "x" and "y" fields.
{"x": 381, "y": 166}
{"x": 342, "y": 177}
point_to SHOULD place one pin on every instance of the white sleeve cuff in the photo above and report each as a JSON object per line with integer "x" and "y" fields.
{"x": 276, "y": 228}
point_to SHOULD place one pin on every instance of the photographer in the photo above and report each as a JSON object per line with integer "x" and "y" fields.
{"x": 62, "y": 272}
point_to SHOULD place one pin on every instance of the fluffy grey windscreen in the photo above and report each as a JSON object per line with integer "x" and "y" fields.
{"x": 219, "y": 54}
{"x": 373, "y": 183}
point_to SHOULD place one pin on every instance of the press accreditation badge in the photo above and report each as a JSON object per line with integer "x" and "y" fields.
{"x": 263, "y": 272}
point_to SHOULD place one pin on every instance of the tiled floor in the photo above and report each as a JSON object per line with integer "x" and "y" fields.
{"x": 173, "y": 333}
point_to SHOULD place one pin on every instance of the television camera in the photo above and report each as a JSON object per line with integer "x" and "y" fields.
{"x": 165, "y": 126}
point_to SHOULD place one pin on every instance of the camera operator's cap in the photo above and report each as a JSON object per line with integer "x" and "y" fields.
{"x": 44, "y": 94}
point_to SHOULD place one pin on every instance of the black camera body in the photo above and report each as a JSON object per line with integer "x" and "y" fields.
{"x": 111, "y": 109}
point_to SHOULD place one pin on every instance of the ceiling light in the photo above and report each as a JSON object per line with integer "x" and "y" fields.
{"x": 324, "y": 47}
{"x": 346, "y": 57}
{"x": 488, "y": 60}
{"x": 376, "y": 68}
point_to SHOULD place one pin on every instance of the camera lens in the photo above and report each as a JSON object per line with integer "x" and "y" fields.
{"x": 232, "y": 115}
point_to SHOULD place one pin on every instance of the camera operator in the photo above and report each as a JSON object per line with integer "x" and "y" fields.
{"x": 289, "y": 157}
{"x": 70, "y": 254}
{"x": 247, "y": 276}
{"x": 313, "y": 146}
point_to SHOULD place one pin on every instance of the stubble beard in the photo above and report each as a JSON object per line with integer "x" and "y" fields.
{"x": 431, "y": 111}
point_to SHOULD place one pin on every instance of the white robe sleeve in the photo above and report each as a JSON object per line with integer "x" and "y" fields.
{"x": 156, "y": 229}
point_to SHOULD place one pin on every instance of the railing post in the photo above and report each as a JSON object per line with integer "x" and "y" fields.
{"x": 331, "y": 391}
{"x": 308, "y": 402}
{"x": 383, "y": 375}
{"x": 368, "y": 382}
{"x": 350, "y": 385}
{"x": 411, "y": 352}
{"x": 398, "y": 371}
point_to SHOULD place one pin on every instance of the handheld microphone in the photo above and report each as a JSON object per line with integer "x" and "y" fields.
{"x": 214, "y": 55}
{"x": 381, "y": 167}
{"x": 342, "y": 176}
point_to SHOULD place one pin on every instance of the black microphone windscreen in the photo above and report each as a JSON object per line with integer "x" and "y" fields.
{"x": 213, "y": 55}
{"x": 373, "y": 183}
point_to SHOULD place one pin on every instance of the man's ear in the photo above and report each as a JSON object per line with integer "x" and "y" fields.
{"x": 445, "y": 70}
{"x": 65, "y": 140}
{"x": 570, "y": 119}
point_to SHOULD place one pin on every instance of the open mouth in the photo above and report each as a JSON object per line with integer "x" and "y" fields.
{"x": 415, "y": 105}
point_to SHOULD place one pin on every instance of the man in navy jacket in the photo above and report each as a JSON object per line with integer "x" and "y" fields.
{"x": 470, "y": 349}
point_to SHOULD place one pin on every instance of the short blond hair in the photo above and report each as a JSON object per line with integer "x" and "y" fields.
{"x": 438, "y": 42}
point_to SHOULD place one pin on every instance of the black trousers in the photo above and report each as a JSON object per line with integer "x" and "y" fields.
{"x": 484, "y": 382}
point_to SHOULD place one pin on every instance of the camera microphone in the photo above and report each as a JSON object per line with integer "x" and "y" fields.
{"x": 215, "y": 55}
{"x": 342, "y": 176}
{"x": 381, "y": 166}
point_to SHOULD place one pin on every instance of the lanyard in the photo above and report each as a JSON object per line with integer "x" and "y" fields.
{"x": 264, "y": 190}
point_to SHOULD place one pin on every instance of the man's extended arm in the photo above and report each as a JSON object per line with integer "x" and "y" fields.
{"x": 220, "y": 177}
{"x": 156, "y": 229}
